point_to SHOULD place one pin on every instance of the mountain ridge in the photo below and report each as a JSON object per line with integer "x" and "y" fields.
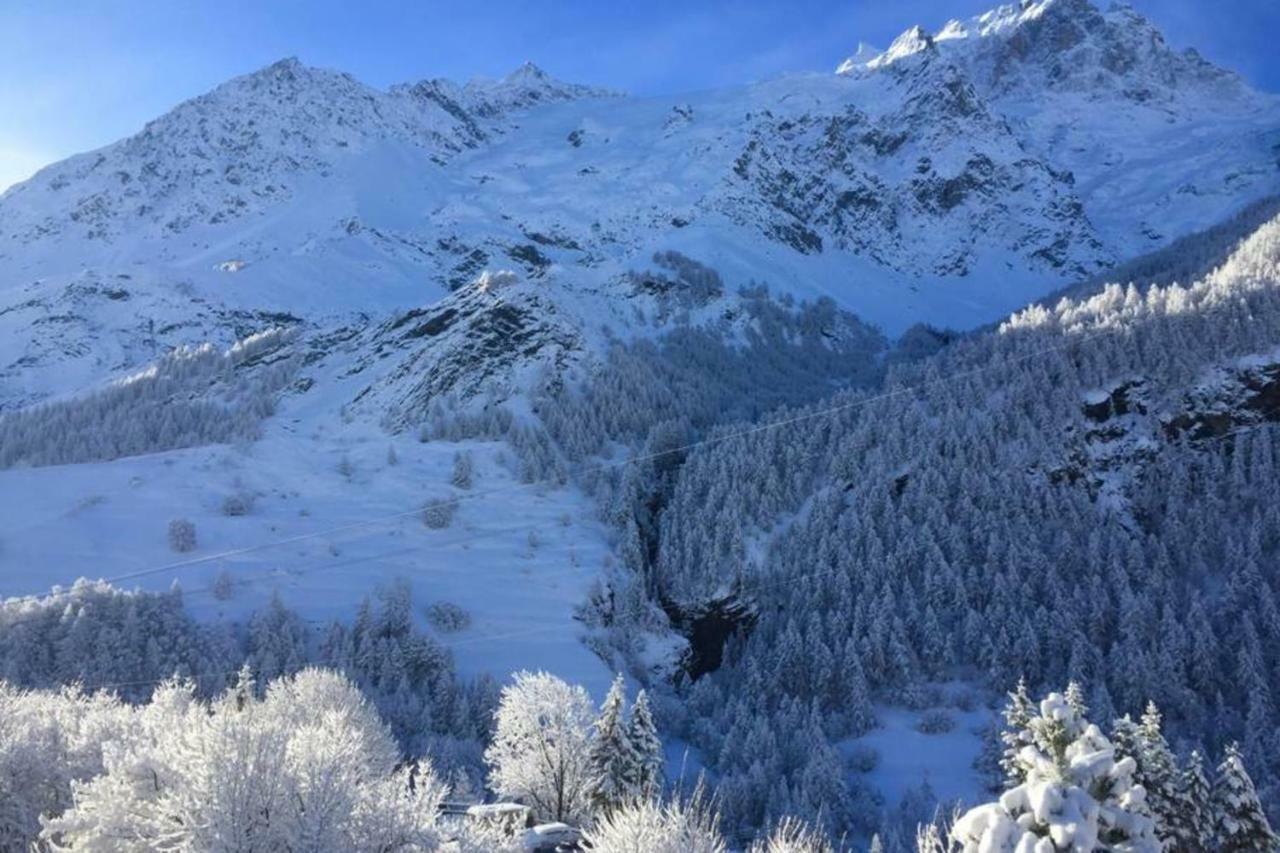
{"x": 914, "y": 191}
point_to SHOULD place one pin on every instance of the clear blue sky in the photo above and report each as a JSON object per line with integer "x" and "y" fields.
{"x": 78, "y": 74}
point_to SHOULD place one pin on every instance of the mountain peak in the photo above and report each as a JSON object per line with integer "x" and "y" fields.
{"x": 528, "y": 71}
{"x": 525, "y": 87}
{"x": 1035, "y": 45}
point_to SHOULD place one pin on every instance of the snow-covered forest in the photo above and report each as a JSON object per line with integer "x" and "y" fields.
{"x": 883, "y": 460}
{"x": 984, "y": 514}
{"x": 1105, "y": 432}
{"x": 191, "y": 396}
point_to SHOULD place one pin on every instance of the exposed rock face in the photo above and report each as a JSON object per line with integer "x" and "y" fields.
{"x": 1129, "y": 424}
{"x": 707, "y": 627}
{"x": 472, "y": 342}
{"x": 1241, "y": 397}
{"x": 928, "y": 186}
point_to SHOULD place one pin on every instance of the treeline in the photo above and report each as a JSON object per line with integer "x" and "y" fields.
{"x": 192, "y": 396}
{"x": 106, "y": 639}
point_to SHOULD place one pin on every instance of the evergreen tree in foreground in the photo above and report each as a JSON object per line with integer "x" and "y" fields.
{"x": 1017, "y": 715}
{"x": 1195, "y": 824}
{"x": 1077, "y": 794}
{"x": 646, "y": 749}
{"x": 1240, "y": 822}
{"x": 1159, "y": 775}
{"x": 612, "y": 759}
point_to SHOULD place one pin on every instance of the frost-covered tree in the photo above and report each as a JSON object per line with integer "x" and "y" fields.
{"x": 462, "y": 469}
{"x": 541, "y": 744}
{"x": 182, "y": 535}
{"x": 1160, "y": 777}
{"x": 1239, "y": 819}
{"x": 48, "y": 742}
{"x": 1194, "y": 826}
{"x": 1018, "y": 713}
{"x": 1076, "y": 794}
{"x": 646, "y": 772}
{"x": 612, "y": 758}
{"x": 308, "y": 766}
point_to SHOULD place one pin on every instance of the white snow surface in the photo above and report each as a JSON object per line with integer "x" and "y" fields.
{"x": 950, "y": 180}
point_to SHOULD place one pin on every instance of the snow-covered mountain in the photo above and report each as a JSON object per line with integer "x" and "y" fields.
{"x": 949, "y": 179}
{"x": 474, "y": 336}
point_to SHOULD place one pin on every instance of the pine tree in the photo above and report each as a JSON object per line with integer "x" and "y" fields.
{"x": 646, "y": 749}
{"x": 1077, "y": 794}
{"x": 1159, "y": 775}
{"x": 1074, "y": 696}
{"x": 1125, "y": 737}
{"x": 1239, "y": 820}
{"x": 1017, "y": 715}
{"x": 1194, "y": 826}
{"x": 611, "y": 757}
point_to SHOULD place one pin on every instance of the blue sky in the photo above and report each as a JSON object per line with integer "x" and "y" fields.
{"x": 78, "y": 74}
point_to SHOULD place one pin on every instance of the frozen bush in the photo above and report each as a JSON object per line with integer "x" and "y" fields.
{"x": 649, "y": 825}
{"x": 447, "y": 617}
{"x": 223, "y": 586}
{"x": 182, "y": 535}
{"x": 438, "y": 513}
{"x": 792, "y": 836}
{"x": 863, "y": 758}
{"x": 238, "y": 504}
{"x": 935, "y": 721}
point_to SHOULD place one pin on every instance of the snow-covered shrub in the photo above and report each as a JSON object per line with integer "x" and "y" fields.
{"x": 438, "y": 513}
{"x": 656, "y": 827}
{"x": 223, "y": 586}
{"x": 237, "y": 504}
{"x": 935, "y": 721}
{"x": 462, "y": 469}
{"x": 473, "y": 836}
{"x": 182, "y": 535}
{"x": 447, "y": 617}
{"x": 792, "y": 836}
{"x": 1077, "y": 794}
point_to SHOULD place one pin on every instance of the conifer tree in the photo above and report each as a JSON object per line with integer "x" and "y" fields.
{"x": 1074, "y": 695}
{"x": 646, "y": 749}
{"x": 611, "y": 760}
{"x": 1159, "y": 775}
{"x": 1194, "y": 826}
{"x": 1239, "y": 820}
{"x": 1017, "y": 715}
{"x": 1077, "y": 794}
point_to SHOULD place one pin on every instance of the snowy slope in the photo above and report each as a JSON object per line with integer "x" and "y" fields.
{"x": 1157, "y": 142}
{"x": 951, "y": 179}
